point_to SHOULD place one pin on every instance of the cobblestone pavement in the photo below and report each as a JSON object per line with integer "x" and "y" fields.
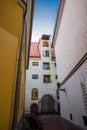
{"x": 55, "y": 122}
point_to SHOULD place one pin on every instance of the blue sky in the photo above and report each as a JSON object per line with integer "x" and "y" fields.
{"x": 45, "y": 12}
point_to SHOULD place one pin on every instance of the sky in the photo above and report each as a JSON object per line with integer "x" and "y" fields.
{"x": 45, "y": 12}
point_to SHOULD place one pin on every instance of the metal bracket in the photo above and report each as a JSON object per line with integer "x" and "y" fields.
{"x": 62, "y": 89}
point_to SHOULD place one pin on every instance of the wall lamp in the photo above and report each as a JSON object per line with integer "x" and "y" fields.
{"x": 62, "y": 89}
{"x": 59, "y": 85}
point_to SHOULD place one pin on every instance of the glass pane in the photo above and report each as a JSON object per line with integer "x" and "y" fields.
{"x": 46, "y": 66}
{"x": 47, "y": 79}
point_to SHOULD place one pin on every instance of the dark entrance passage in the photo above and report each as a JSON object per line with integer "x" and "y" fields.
{"x": 34, "y": 108}
{"x": 47, "y": 104}
{"x": 32, "y": 118}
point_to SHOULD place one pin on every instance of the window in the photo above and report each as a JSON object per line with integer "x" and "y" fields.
{"x": 45, "y": 53}
{"x": 55, "y": 64}
{"x": 71, "y": 118}
{"x": 56, "y": 76}
{"x": 57, "y": 93}
{"x": 85, "y": 120}
{"x": 45, "y": 44}
{"x": 46, "y": 79}
{"x": 27, "y": 111}
{"x": 35, "y": 63}
{"x": 34, "y": 94}
{"x": 46, "y": 66}
{"x": 34, "y": 76}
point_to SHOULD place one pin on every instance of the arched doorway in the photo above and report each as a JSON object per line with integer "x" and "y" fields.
{"x": 34, "y": 108}
{"x": 47, "y": 104}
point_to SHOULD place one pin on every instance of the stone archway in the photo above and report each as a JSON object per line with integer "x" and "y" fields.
{"x": 47, "y": 104}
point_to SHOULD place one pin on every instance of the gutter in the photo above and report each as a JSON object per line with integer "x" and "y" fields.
{"x": 26, "y": 64}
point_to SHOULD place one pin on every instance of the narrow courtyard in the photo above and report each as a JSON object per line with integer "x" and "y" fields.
{"x": 43, "y": 64}
{"x": 49, "y": 122}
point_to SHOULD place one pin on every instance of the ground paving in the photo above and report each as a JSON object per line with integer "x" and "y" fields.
{"x": 55, "y": 122}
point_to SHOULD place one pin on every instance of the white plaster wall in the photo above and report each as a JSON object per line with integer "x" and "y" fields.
{"x": 32, "y": 83}
{"x": 71, "y": 43}
{"x": 43, "y": 88}
{"x": 72, "y": 100}
{"x": 44, "y": 49}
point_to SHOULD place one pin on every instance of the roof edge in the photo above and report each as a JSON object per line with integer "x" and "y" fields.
{"x": 58, "y": 20}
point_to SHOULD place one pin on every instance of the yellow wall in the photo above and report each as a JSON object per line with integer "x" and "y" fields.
{"x": 11, "y": 16}
{"x": 8, "y": 58}
{"x": 11, "y": 22}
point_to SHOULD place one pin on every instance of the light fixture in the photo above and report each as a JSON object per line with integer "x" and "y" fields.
{"x": 59, "y": 85}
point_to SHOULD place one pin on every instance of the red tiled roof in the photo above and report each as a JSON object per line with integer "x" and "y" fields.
{"x": 53, "y": 52}
{"x": 34, "y": 50}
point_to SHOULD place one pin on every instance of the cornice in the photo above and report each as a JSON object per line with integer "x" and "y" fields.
{"x": 78, "y": 65}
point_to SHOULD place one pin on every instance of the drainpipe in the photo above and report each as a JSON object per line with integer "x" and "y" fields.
{"x": 18, "y": 81}
{"x": 31, "y": 22}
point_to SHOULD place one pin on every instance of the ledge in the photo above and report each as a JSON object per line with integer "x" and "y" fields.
{"x": 83, "y": 59}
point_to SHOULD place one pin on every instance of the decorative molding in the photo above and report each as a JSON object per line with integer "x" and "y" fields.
{"x": 34, "y": 94}
{"x": 83, "y": 59}
{"x": 35, "y": 57}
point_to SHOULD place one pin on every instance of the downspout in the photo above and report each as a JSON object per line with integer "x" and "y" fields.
{"x": 31, "y": 21}
{"x": 18, "y": 81}
{"x": 27, "y": 65}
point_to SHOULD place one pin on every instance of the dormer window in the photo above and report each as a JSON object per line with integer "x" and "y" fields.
{"x": 45, "y": 44}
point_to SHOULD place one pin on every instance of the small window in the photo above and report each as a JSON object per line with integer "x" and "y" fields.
{"x": 85, "y": 120}
{"x": 46, "y": 79}
{"x": 57, "y": 93}
{"x": 35, "y": 76}
{"x": 35, "y": 63}
{"x": 45, "y": 53}
{"x": 56, "y": 76}
{"x": 34, "y": 94}
{"x": 55, "y": 64}
{"x": 45, "y": 44}
{"x": 46, "y": 66}
{"x": 27, "y": 111}
{"x": 71, "y": 118}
